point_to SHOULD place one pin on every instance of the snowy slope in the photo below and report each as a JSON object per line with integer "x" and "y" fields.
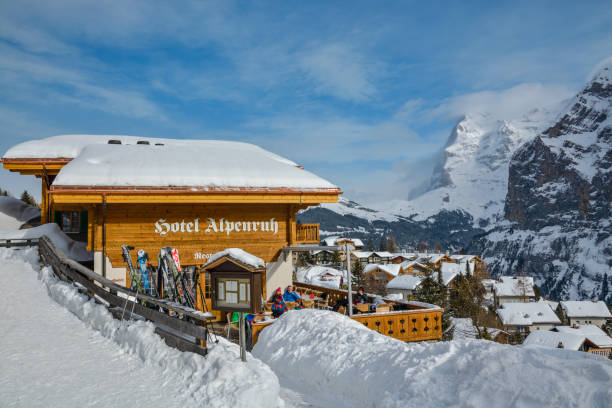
{"x": 344, "y": 206}
{"x": 70, "y": 352}
{"x": 14, "y": 213}
{"x": 342, "y": 363}
{"x": 473, "y": 177}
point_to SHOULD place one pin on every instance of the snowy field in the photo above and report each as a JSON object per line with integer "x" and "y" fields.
{"x": 62, "y": 350}
{"x": 341, "y": 363}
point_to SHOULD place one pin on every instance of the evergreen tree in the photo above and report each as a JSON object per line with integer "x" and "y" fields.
{"x": 391, "y": 245}
{"x": 382, "y": 245}
{"x": 357, "y": 273}
{"x": 28, "y": 199}
{"x": 336, "y": 259}
{"x": 432, "y": 290}
{"x": 304, "y": 259}
{"x": 370, "y": 245}
{"x": 604, "y": 288}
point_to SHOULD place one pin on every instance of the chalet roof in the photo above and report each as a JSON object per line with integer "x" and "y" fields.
{"x": 392, "y": 269}
{"x": 406, "y": 282}
{"x": 320, "y": 275}
{"x": 527, "y": 314}
{"x": 585, "y": 308}
{"x": 201, "y": 165}
{"x": 514, "y": 286}
{"x": 465, "y": 329}
{"x": 417, "y": 263}
{"x": 383, "y": 254}
{"x": 331, "y": 241}
{"x": 593, "y": 333}
{"x": 238, "y": 255}
{"x": 551, "y": 339}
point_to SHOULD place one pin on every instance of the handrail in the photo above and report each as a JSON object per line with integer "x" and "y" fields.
{"x": 186, "y": 325}
{"x": 307, "y": 233}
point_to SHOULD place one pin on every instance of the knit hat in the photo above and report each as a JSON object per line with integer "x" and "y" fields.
{"x": 279, "y": 289}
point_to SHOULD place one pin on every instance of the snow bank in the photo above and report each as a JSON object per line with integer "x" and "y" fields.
{"x": 14, "y": 213}
{"x": 72, "y": 249}
{"x": 205, "y": 164}
{"x": 343, "y": 364}
{"x": 321, "y": 276}
{"x": 218, "y": 380}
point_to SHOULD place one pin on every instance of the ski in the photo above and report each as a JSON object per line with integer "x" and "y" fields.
{"x": 148, "y": 278}
{"x": 135, "y": 282}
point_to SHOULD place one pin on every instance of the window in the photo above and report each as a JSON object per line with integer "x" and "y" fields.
{"x": 71, "y": 221}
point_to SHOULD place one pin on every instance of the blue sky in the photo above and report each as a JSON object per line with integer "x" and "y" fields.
{"x": 362, "y": 93}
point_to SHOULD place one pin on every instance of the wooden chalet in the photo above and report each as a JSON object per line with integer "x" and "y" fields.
{"x": 199, "y": 196}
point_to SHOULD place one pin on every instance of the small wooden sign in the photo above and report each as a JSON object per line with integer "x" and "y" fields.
{"x": 235, "y": 287}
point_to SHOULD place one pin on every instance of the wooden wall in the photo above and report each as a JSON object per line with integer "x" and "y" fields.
{"x": 134, "y": 224}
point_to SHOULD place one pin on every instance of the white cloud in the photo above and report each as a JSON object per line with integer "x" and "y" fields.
{"x": 338, "y": 70}
{"x": 506, "y": 104}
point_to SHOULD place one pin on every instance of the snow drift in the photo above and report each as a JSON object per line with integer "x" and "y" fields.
{"x": 218, "y": 380}
{"x": 14, "y": 213}
{"x": 72, "y": 249}
{"x": 342, "y": 363}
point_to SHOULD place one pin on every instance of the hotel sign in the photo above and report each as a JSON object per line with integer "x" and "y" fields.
{"x": 214, "y": 226}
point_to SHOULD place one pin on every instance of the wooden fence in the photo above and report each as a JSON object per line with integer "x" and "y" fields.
{"x": 408, "y": 321}
{"x": 180, "y": 327}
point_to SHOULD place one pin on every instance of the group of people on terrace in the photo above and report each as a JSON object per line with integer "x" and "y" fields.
{"x": 279, "y": 298}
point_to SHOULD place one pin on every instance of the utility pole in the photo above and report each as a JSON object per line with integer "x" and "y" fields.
{"x": 242, "y": 338}
{"x": 347, "y": 251}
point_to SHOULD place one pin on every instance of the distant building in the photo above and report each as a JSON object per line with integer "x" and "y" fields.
{"x": 587, "y": 338}
{"x": 514, "y": 289}
{"x": 381, "y": 273}
{"x": 526, "y": 317}
{"x": 586, "y": 312}
{"x": 404, "y": 285}
{"x": 356, "y": 243}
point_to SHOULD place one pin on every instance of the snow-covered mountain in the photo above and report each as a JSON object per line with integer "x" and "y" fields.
{"x": 532, "y": 193}
{"x": 473, "y": 175}
{"x": 558, "y": 223}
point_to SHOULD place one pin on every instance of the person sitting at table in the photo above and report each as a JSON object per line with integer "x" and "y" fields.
{"x": 378, "y": 300}
{"x": 360, "y": 297}
{"x": 278, "y": 304}
{"x": 291, "y": 296}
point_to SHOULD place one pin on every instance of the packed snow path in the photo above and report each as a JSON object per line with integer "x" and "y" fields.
{"x": 60, "y": 349}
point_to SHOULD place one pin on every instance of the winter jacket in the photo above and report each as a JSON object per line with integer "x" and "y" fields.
{"x": 278, "y": 305}
{"x": 360, "y": 298}
{"x": 291, "y": 297}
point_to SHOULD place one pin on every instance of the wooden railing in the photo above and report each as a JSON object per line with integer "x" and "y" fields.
{"x": 409, "y": 321}
{"x": 307, "y": 233}
{"x": 180, "y": 327}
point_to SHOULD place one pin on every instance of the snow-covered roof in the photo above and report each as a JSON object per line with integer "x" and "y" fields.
{"x": 406, "y": 282}
{"x": 593, "y": 333}
{"x": 14, "y": 213}
{"x": 408, "y": 264}
{"x": 448, "y": 276}
{"x": 551, "y": 339}
{"x": 320, "y": 275}
{"x": 331, "y": 241}
{"x": 585, "y": 308}
{"x": 383, "y": 254}
{"x": 72, "y": 249}
{"x": 238, "y": 255}
{"x": 393, "y": 269}
{"x": 553, "y": 305}
{"x": 203, "y": 164}
{"x": 450, "y": 267}
{"x": 465, "y": 329}
{"x": 361, "y": 254}
{"x": 526, "y": 314}
{"x": 514, "y": 286}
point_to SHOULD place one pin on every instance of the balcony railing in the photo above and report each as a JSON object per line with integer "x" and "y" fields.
{"x": 307, "y": 233}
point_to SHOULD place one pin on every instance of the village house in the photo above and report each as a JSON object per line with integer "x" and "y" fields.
{"x": 587, "y": 338}
{"x": 355, "y": 243}
{"x": 381, "y": 273}
{"x": 320, "y": 276}
{"x": 526, "y": 317}
{"x": 414, "y": 267}
{"x": 514, "y": 289}
{"x": 200, "y": 196}
{"x": 404, "y": 285}
{"x": 586, "y": 312}
{"x": 322, "y": 257}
